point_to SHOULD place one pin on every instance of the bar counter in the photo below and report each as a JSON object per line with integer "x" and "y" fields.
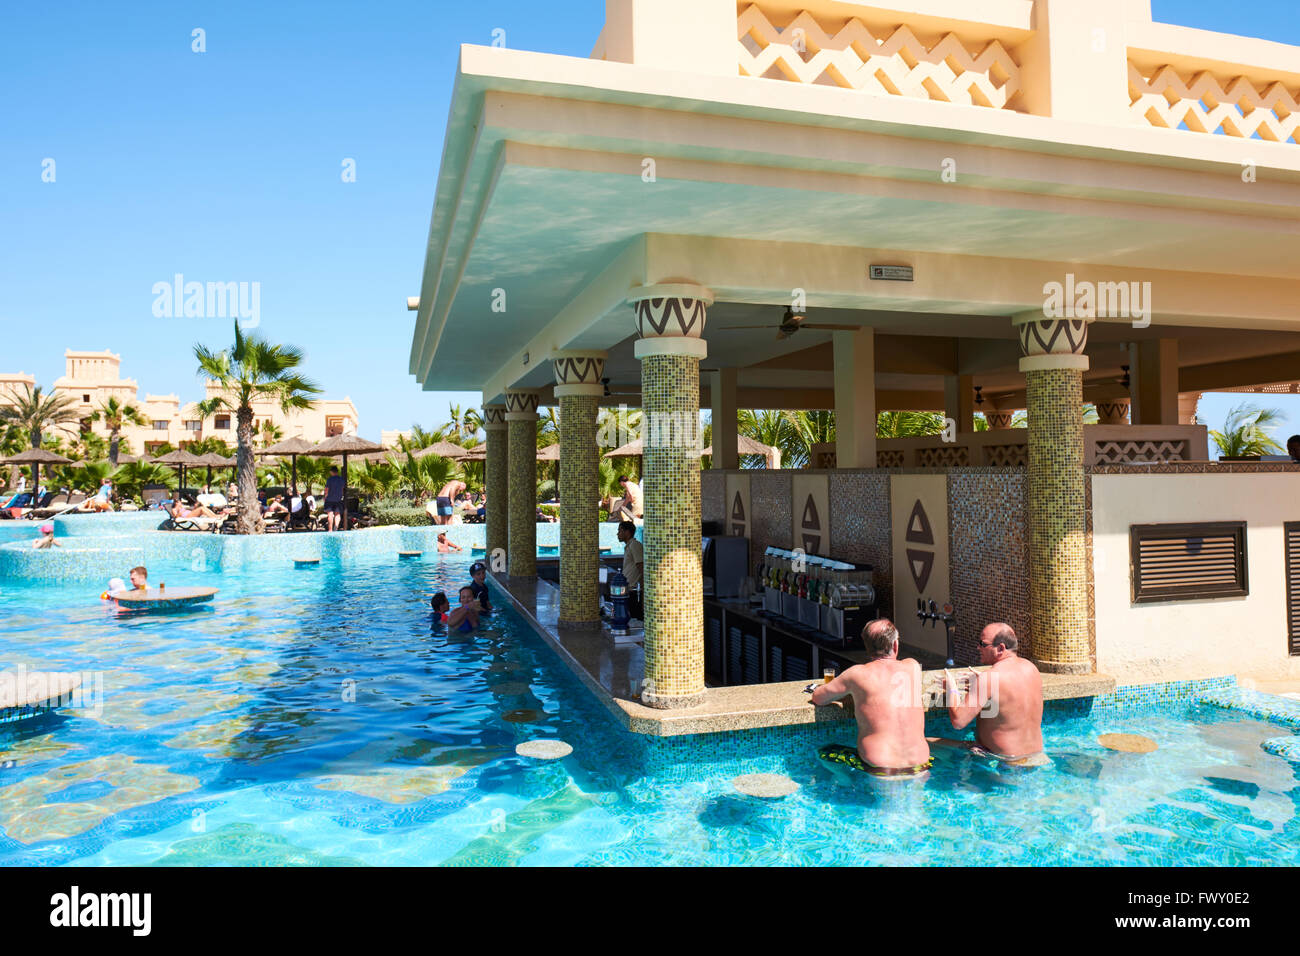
{"x": 613, "y": 672}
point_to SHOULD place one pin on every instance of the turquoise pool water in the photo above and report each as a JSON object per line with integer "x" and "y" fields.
{"x": 313, "y": 717}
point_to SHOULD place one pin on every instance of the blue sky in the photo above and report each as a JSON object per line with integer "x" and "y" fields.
{"x": 225, "y": 166}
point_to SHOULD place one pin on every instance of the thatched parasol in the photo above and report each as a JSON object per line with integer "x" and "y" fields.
{"x": 344, "y": 445}
{"x": 747, "y": 446}
{"x": 37, "y": 457}
{"x": 549, "y": 453}
{"x": 633, "y": 449}
{"x": 181, "y": 459}
{"x": 292, "y": 447}
{"x": 213, "y": 460}
{"x": 443, "y": 449}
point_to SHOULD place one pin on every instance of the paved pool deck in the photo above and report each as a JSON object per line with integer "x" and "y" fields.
{"x": 613, "y": 672}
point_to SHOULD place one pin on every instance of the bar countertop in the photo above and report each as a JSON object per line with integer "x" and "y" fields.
{"x": 613, "y": 672}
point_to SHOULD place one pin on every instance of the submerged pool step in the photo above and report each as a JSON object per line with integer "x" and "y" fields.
{"x": 1270, "y": 707}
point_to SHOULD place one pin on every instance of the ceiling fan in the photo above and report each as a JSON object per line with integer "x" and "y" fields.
{"x": 791, "y": 323}
{"x": 611, "y": 394}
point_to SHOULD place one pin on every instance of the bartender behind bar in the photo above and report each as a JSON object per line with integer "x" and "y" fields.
{"x": 633, "y": 567}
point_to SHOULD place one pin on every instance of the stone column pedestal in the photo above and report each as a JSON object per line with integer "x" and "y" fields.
{"x": 1054, "y": 364}
{"x": 496, "y": 468}
{"x": 579, "y": 389}
{"x": 521, "y": 423}
{"x": 670, "y": 320}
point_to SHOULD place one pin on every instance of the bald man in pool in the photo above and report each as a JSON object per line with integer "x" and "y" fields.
{"x": 887, "y": 705}
{"x": 1006, "y": 701}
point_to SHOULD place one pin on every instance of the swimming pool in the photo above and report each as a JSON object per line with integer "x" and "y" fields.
{"x": 312, "y": 717}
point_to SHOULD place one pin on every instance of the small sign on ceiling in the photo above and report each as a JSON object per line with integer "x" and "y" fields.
{"x": 891, "y": 273}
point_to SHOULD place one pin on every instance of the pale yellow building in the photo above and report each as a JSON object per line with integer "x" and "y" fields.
{"x": 91, "y": 378}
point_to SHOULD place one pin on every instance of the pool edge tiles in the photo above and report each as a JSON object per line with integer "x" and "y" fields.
{"x": 95, "y": 557}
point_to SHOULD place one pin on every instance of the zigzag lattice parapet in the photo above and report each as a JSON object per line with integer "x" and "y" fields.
{"x": 1207, "y": 104}
{"x": 897, "y": 65}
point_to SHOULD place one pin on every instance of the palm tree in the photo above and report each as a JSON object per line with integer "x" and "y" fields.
{"x": 253, "y": 369}
{"x": 811, "y": 428}
{"x": 270, "y": 433}
{"x": 33, "y": 410}
{"x": 131, "y": 478}
{"x": 1246, "y": 432}
{"x": 774, "y": 428}
{"x": 212, "y": 445}
{"x": 908, "y": 424}
{"x": 378, "y": 479}
{"x": 115, "y": 414}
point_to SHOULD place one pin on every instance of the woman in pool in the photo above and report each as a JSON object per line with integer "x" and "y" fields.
{"x": 464, "y": 618}
{"x": 46, "y": 540}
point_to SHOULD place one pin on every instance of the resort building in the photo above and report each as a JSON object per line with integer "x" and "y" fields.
{"x": 91, "y": 378}
{"x": 984, "y": 206}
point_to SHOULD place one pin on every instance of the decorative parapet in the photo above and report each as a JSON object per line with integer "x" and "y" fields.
{"x": 894, "y": 62}
{"x": 1009, "y": 448}
{"x": 1205, "y": 103}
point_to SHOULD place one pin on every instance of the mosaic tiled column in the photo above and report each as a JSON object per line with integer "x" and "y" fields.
{"x": 1054, "y": 364}
{"x": 521, "y": 425}
{"x": 579, "y": 389}
{"x": 670, "y": 320}
{"x": 496, "y": 469}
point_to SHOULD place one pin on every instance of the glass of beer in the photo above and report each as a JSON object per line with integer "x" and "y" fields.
{"x": 828, "y": 673}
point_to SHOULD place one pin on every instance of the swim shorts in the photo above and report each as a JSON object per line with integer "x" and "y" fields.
{"x": 838, "y": 753}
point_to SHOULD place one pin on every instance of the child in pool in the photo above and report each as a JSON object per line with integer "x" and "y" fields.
{"x": 464, "y": 618}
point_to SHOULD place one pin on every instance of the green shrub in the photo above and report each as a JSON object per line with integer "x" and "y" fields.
{"x": 551, "y": 510}
{"x": 398, "y": 511}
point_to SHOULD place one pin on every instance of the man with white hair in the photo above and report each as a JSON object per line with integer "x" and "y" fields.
{"x": 887, "y": 703}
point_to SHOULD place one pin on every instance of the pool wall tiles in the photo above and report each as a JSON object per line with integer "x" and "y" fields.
{"x": 989, "y": 548}
{"x": 96, "y": 559}
{"x": 766, "y": 747}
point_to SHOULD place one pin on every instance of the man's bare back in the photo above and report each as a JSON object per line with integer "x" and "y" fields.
{"x": 1016, "y": 727}
{"x": 887, "y": 705}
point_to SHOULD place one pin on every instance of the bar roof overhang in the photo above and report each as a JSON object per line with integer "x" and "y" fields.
{"x": 761, "y": 187}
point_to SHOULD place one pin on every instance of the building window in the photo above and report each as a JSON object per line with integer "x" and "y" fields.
{"x": 191, "y": 426}
{"x": 160, "y": 426}
{"x": 222, "y": 423}
{"x": 333, "y": 425}
{"x": 1188, "y": 562}
{"x": 86, "y": 399}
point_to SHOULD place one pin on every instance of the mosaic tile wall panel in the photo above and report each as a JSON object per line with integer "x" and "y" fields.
{"x": 990, "y": 555}
{"x": 769, "y": 497}
{"x": 713, "y": 493}
{"x": 860, "y": 527}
